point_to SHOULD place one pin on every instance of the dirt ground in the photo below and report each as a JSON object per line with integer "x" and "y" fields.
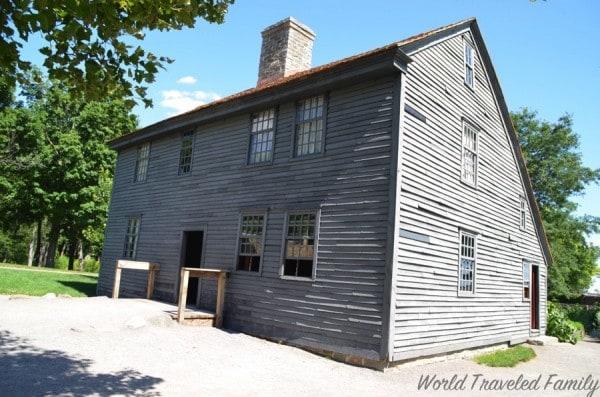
{"x": 98, "y": 346}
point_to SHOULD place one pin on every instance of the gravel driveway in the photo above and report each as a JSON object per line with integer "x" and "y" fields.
{"x": 98, "y": 346}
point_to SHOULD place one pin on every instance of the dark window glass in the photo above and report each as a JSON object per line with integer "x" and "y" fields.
{"x": 141, "y": 162}
{"x": 309, "y": 126}
{"x": 261, "y": 137}
{"x": 466, "y": 272}
{"x": 186, "y": 153}
{"x": 131, "y": 237}
{"x": 299, "y": 245}
{"x": 251, "y": 243}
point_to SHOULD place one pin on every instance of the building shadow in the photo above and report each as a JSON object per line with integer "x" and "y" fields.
{"x": 89, "y": 289}
{"x": 27, "y": 370}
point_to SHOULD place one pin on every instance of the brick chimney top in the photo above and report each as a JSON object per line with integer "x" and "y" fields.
{"x": 286, "y": 49}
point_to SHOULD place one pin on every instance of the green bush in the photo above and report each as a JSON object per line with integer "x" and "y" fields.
{"x": 62, "y": 262}
{"x": 597, "y": 321}
{"x": 91, "y": 265}
{"x": 561, "y": 327}
{"x": 581, "y": 313}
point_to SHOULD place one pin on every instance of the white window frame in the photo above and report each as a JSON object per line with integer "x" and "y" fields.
{"x": 130, "y": 244}
{"x": 526, "y": 265}
{"x": 522, "y": 213}
{"x": 473, "y": 258}
{"x": 317, "y": 214}
{"x": 187, "y": 138}
{"x": 239, "y": 240}
{"x": 468, "y": 128}
{"x": 262, "y": 123}
{"x": 469, "y": 64}
{"x": 142, "y": 161}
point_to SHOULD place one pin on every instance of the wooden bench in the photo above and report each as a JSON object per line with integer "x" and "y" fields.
{"x": 192, "y": 272}
{"x": 152, "y": 269}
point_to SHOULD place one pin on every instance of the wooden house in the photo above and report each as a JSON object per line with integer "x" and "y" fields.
{"x": 377, "y": 207}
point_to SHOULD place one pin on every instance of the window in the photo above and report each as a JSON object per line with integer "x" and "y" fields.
{"x": 131, "y": 237}
{"x": 466, "y": 270}
{"x": 469, "y": 65}
{"x": 299, "y": 246}
{"x": 309, "y": 126}
{"x": 186, "y": 153}
{"x": 262, "y": 129}
{"x": 470, "y": 147}
{"x": 526, "y": 280}
{"x": 251, "y": 243}
{"x": 523, "y": 214}
{"x": 141, "y": 162}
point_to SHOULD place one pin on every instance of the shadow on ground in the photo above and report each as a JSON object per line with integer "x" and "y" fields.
{"x": 88, "y": 289}
{"x": 30, "y": 371}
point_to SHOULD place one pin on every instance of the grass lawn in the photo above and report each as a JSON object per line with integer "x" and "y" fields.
{"x": 33, "y": 281}
{"x": 507, "y": 357}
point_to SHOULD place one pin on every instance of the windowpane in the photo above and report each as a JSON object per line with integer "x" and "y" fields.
{"x": 300, "y": 245}
{"x": 469, "y": 64}
{"x": 261, "y": 138}
{"x": 186, "y": 153}
{"x": 251, "y": 243}
{"x": 309, "y": 125}
{"x": 141, "y": 162}
{"x": 131, "y": 237}
{"x": 470, "y": 147}
{"x": 523, "y": 214}
{"x": 466, "y": 272}
{"x": 526, "y": 280}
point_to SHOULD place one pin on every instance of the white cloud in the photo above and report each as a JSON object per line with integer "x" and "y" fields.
{"x": 187, "y": 80}
{"x": 182, "y": 101}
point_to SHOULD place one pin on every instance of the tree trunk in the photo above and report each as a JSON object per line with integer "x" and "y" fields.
{"x": 37, "y": 256}
{"x": 31, "y": 250}
{"x": 72, "y": 249}
{"x": 52, "y": 241}
{"x": 80, "y": 248}
{"x": 43, "y": 251}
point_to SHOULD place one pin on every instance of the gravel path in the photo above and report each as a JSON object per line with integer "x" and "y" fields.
{"x": 98, "y": 346}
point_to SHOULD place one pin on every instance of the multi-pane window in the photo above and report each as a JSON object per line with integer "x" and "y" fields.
{"x": 300, "y": 245}
{"x": 141, "y": 162}
{"x": 523, "y": 214}
{"x": 309, "y": 125}
{"x": 186, "y": 153}
{"x": 466, "y": 270}
{"x": 261, "y": 137}
{"x": 251, "y": 243}
{"x": 470, "y": 147}
{"x": 131, "y": 237}
{"x": 526, "y": 280}
{"x": 469, "y": 64}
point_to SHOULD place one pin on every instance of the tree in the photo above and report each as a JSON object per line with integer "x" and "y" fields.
{"x": 87, "y": 42}
{"x": 557, "y": 175}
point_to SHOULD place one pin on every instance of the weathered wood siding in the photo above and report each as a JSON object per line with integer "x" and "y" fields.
{"x": 342, "y": 309}
{"x": 429, "y": 316}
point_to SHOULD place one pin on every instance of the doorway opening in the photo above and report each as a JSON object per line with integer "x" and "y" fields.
{"x": 192, "y": 257}
{"x": 535, "y": 297}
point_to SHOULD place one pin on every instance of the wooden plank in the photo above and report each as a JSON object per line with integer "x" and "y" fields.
{"x": 125, "y": 264}
{"x": 117, "y": 282}
{"x": 150, "y": 284}
{"x": 220, "y": 300}
{"x": 183, "y": 286}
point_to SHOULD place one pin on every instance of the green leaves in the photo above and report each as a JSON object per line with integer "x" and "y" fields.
{"x": 86, "y": 41}
{"x": 557, "y": 173}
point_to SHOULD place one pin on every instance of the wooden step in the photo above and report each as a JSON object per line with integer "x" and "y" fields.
{"x": 195, "y": 316}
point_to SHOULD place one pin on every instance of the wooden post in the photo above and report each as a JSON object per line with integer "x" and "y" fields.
{"x": 220, "y": 300}
{"x": 183, "y": 286}
{"x": 117, "y": 282}
{"x": 150, "y": 284}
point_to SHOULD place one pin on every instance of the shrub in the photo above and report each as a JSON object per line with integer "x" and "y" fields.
{"x": 62, "y": 262}
{"x": 597, "y": 321}
{"x": 561, "y": 327}
{"x": 581, "y": 313}
{"x": 91, "y": 265}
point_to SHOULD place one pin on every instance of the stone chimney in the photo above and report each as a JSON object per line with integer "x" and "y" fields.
{"x": 286, "y": 49}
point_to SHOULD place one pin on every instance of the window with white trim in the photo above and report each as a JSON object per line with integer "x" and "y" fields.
{"x": 467, "y": 263}
{"x": 251, "y": 243}
{"x": 299, "y": 255}
{"x": 309, "y": 126}
{"x": 131, "y": 237}
{"x": 470, "y": 148}
{"x": 526, "y": 280}
{"x": 186, "y": 153}
{"x": 141, "y": 162}
{"x": 262, "y": 129}
{"x": 523, "y": 214}
{"x": 469, "y": 65}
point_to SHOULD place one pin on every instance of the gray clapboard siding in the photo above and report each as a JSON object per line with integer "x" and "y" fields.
{"x": 429, "y": 316}
{"x": 342, "y": 308}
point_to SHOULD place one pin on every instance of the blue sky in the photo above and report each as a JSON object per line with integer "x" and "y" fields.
{"x": 546, "y": 53}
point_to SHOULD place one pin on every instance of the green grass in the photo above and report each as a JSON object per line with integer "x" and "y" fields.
{"x": 507, "y": 357}
{"x": 21, "y": 280}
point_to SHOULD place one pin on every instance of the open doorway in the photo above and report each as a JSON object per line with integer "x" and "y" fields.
{"x": 535, "y": 297}
{"x": 192, "y": 257}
